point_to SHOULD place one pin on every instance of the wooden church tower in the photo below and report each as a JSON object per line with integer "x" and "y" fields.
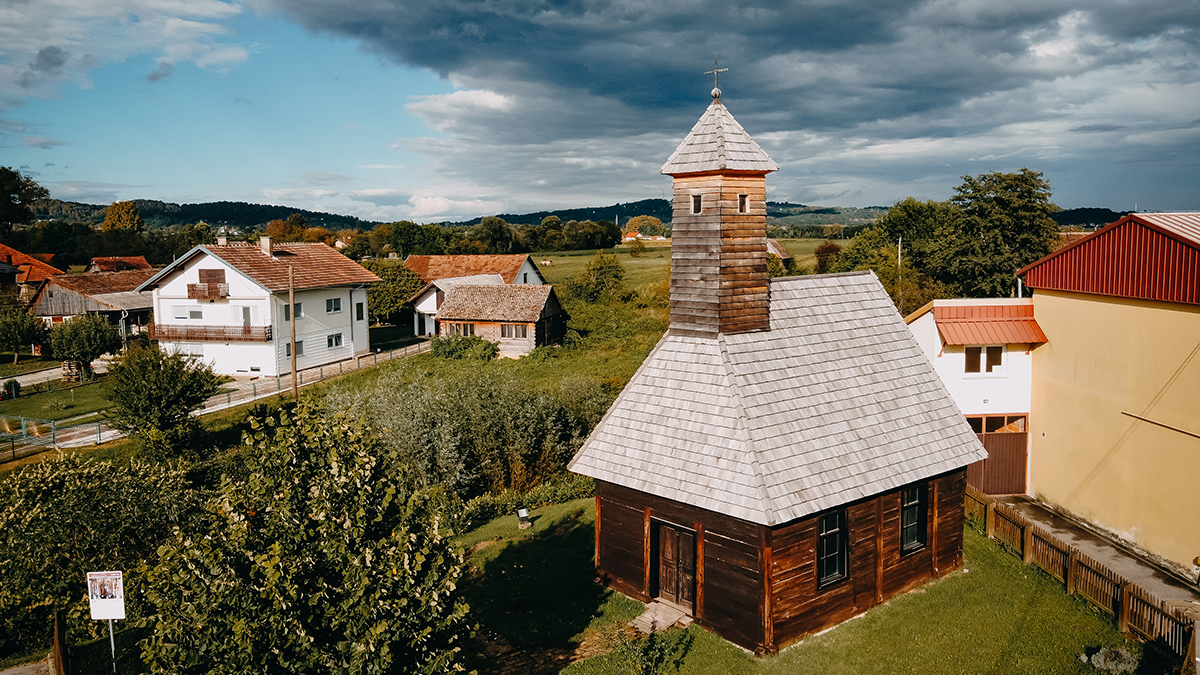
{"x": 785, "y": 458}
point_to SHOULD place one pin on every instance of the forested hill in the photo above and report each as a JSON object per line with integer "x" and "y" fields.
{"x": 1087, "y": 217}
{"x": 237, "y": 215}
{"x": 659, "y": 208}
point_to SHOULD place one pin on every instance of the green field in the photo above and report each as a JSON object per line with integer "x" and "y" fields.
{"x": 28, "y": 363}
{"x": 534, "y": 590}
{"x": 654, "y": 265}
{"x": 58, "y": 404}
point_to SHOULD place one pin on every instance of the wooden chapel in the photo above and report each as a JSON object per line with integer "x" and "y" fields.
{"x": 785, "y": 458}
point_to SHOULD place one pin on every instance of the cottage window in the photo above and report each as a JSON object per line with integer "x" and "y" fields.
{"x": 287, "y": 314}
{"x": 696, "y": 203}
{"x": 464, "y": 329}
{"x": 742, "y": 204}
{"x": 513, "y": 330}
{"x": 998, "y": 424}
{"x": 358, "y": 311}
{"x": 333, "y": 305}
{"x": 299, "y": 348}
{"x": 334, "y": 340}
{"x": 912, "y": 518}
{"x": 985, "y": 359}
{"x": 831, "y": 548}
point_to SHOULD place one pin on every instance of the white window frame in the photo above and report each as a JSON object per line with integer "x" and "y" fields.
{"x": 333, "y": 341}
{"x": 333, "y": 305}
{"x": 287, "y": 314}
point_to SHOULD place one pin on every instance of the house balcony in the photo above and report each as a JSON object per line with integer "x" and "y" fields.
{"x": 208, "y": 291}
{"x": 176, "y": 333}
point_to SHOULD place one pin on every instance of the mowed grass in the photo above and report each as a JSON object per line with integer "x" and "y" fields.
{"x": 652, "y": 266}
{"x": 536, "y": 590}
{"x": 57, "y": 404}
{"x": 27, "y": 363}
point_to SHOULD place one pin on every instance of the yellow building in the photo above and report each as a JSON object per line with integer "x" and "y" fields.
{"x": 1115, "y": 405}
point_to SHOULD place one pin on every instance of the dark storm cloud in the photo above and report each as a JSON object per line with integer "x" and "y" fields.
{"x": 858, "y": 99}
{"x": 47, "y": 64}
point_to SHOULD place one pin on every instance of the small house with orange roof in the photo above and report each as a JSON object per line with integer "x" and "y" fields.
{"x": 982, "y": 349}
{"x": 227, "y": 303}
{"x": 32, "y": 271}
{"x": 117, "y": 263}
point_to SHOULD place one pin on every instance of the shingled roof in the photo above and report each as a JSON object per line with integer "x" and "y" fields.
{"x": 117, "y": 263}
{"x": 716, "y": 143}
{"x": 518, "y": 302}
{"x": 102, "y": 291}
{"x": 834, "y": 403}
{"x": 31, "y": 269}
{"x": 433, "y": 267}
{"x": 314, "y": 265}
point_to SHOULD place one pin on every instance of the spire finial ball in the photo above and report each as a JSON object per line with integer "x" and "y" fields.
{"x": 716, "y": 93}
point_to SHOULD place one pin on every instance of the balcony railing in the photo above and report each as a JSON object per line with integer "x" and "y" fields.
{"x": 208, "y": 291}
{"x": 210, "y": 333}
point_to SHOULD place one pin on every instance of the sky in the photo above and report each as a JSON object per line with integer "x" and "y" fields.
{"x": 436, "y": 110}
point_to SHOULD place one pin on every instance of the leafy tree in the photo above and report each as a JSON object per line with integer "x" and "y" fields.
{"x": 18, "y": 329}
{"x": 637, "y": 248}
{"x": 827, "y": 253}
{"x": 84, "y": 339}
{"x": 291, "y": 229}
{"x": 17, "y": 192}
{"x": 319, "y": 234}
{"x": 64, "y": 517}
{"x": 320, "y": 562}
{"x": 601, "y": 278}
{"x": 122, "y": 216}
{"x": 387, "y": 298}
{"x": 1007, "y": 226}
{"x": 153, "y": 395}
{"x": 494, "y": 233}
{"x": 647, "y": 225}
{"x": 775, "y": 266}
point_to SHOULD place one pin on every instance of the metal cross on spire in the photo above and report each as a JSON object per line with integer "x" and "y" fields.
{"x": 716, "y": 93}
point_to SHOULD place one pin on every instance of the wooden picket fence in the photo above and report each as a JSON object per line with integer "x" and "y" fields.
{"x": 1137, "y": 612}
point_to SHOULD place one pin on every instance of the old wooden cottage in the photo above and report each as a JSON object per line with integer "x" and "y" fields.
{"x": 786, "y": 458}
{"x": 108, "y": 294}
{"x": 518, "y": 317}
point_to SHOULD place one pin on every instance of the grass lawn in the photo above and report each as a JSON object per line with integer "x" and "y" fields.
{"x": 27, "y": 363}
{"x": 654, "y": 265}
{"x": 535, "y": 590}
{"x": 58, "y": 404}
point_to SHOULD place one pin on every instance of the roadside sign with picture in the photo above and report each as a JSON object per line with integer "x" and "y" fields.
{"x": 106, "y": 594}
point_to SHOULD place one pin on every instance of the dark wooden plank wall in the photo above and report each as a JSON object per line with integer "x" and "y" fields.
{"x": 729, "y": 577}
{"x": 718, "y": 256}
{"x": 876, "y": 569}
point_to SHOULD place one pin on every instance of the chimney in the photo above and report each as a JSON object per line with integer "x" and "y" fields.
{"x": 265, "y": 244}
{"x": 719, "y": 275}
{"x": 222, "y": 241}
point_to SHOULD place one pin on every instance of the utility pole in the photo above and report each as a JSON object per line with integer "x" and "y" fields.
{"x": 292, "y": 312}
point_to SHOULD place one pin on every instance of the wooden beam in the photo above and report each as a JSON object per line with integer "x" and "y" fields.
{"x": 646, "y": 552}
{"x": 879, "y": 549}
{"x": 768, "y": 609}
{"x": 699, "y": 608}
{"x": 598, "y": 530}
{"x": 933, "y": 531}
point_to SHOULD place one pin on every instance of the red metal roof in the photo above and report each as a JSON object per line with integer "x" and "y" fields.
{"x": 1150, "y": 256}
{"x": 988, "y": 324}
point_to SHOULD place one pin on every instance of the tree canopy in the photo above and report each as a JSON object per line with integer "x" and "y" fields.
{"x": 17, "y": 192}
{"x": 386, "y": 299}
{"x": 20, "y": 329}
{"x": 84, "y": 339}
{"x": 322, "y": 561}
{"x": 122, "y": 216}
{"x": 153, "y": 395}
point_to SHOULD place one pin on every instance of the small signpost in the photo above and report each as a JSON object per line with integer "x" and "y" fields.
{"x": 106, "y": 595}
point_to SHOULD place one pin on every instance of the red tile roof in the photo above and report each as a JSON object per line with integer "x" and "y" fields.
{"x": 32, "y": 269}
{"x": 315, "y": 265}
{"x": 434, "y": 267}
{"x": 118, "y": 263}
{"x": 1150, "y": 256}
{"x": 987, "y": 324}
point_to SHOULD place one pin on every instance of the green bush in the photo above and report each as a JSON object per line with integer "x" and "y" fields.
{"x": 562, "y": 488}
{"x": 471, "y": 347}
{"x": 601, "y": 280}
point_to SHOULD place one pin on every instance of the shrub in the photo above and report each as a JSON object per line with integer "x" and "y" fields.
{"x": 471, "y": 347}
{"x": 64, "y": 517}
{"x": 562, "y": 488}
{"x": 601, "y": 279}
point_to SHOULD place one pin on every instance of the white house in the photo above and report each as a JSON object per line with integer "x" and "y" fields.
{"x": 228, "y": 305}
{"x": 982, "y": 351}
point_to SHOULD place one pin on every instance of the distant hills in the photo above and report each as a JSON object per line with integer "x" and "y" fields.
{"x": 245, "y": 216}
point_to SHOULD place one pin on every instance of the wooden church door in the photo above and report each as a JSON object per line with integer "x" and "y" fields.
{"x": 676, "y": 565}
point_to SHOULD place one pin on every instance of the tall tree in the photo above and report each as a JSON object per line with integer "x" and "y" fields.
{"x": 386, "y": 299}
{"x": 84, "y": 339}
{"x": 494, "y": 233}
{"x": 291, "y": 229}
{"x": 322, "y": 561}
{"x": 153, "y": 395}
{"x": 19, "y": 329}
{"x": 122, "y": 216}
{"x": 17, "y": 192}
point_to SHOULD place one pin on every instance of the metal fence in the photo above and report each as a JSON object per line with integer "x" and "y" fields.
{"x": 22, "y": 437}
{"x": 1137, "y": 612}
